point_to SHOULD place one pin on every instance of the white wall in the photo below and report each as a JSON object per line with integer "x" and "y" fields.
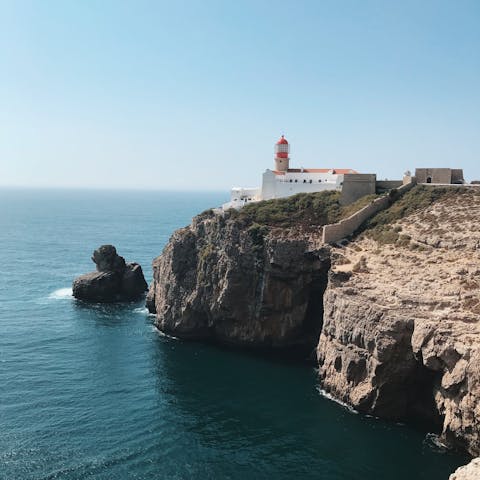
{"x": 247, "y": 194}
{"x": 268, "y": 185}
{"x": 277, "y": 186}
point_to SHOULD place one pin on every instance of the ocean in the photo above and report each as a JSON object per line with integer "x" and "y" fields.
{"x": 96, "y": 392}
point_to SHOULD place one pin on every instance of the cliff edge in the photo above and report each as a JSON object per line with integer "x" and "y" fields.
{"x": 401, "y": 328}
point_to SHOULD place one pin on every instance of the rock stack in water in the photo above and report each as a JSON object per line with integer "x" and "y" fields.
{"x": 115, "y": 280}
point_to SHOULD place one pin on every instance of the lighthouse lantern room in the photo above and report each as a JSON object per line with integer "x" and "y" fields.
{"x": 282, "y": 149}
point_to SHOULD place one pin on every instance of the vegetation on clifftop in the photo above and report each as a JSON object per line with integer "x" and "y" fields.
{"x": 304, "y": 210}
{"x": 381, "y": 226}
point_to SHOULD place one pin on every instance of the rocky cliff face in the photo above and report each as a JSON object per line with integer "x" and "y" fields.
{"x": 397, "y": 329}
{"x": 227, "y": 280}
{"x": 401, "y": 332}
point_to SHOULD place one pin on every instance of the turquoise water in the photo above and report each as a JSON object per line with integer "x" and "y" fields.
{"x": 96, "y": 392}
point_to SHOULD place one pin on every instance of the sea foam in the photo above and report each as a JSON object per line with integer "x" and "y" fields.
{"x": 330, "y": 397}
{"x": 143, "y": 310}
{"x": 61, "y": 293}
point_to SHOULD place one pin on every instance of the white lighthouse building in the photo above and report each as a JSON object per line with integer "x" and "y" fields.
{"x": 284, "y": 181}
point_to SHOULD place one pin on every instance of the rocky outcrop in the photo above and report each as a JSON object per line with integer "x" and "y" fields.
{"x": 467, "y": 472}
{"x": 114, "y": 280}
{"x": 226, "y": 280}
{"x": 150, "y": 300}
{"x": 401, "y": 332}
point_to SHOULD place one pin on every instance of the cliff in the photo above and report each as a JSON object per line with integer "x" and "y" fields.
{"x": 244, "y": 278}
{"x": 401, "y": 328}
{"x": 394, "y": 314}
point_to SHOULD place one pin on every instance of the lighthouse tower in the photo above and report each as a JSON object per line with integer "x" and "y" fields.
{"x": 282, "y": 149}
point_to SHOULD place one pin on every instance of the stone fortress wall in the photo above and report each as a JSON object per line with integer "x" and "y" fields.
{"x": 439, "y": 175}
{"x": 357, "y": 185}
{"x": 336, "y": 231}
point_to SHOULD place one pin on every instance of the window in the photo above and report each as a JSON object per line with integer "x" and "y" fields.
{"x": 296, "y": 180}
{"x": 291, "y": 180}
{"x": 304, "y": 181}
{"x": 310, "y": 180}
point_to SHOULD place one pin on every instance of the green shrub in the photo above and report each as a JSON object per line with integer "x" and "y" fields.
{"x": 258, "y": 233}
{"x": 384, "y": 234}
{"x": 206, "y": 252}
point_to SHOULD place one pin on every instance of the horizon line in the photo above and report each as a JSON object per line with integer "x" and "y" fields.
{"x": 114, "y": 188}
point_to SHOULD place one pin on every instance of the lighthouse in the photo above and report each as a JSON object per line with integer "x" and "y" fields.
{"x": 284, "y": 181}
{"x": 282, "y": 149}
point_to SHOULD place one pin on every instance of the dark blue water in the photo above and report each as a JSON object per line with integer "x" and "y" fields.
{"x": 95, "y": 392}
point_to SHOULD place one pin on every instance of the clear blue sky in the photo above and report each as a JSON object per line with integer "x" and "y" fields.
{"x": 193, "y": 94}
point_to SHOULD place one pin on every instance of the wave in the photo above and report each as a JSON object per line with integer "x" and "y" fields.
{"x": 432, "y": 441}
{"x": 144, "y": 311}
{"x": 61, "y": 293}
{"x": 329, "y": 396}
{"x": 163, "y": 334}
{"x": 141, "y": 310}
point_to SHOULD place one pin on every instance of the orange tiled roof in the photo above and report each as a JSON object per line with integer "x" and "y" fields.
{"x": 335, "y": 171}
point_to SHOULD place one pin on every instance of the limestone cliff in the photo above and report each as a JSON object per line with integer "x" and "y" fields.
{"x": 467, "y": 472}
{"x": 226, "y": 279}
{"x": 401, "y": 331}
{"x": 394, "y": 313}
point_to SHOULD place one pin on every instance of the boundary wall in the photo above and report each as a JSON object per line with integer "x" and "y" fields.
{"x": 336, "y": 231}
{"x": 383, "y": 186}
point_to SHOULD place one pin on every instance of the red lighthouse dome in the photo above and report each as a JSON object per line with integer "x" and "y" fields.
{"x": 282, "y": 149}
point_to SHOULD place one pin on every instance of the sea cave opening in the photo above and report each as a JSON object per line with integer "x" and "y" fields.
{"x": 420, "y": 398}
{"x": 313, "y": 322}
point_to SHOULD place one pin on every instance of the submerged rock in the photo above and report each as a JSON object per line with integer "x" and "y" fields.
{"x": 115, "y": 280}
